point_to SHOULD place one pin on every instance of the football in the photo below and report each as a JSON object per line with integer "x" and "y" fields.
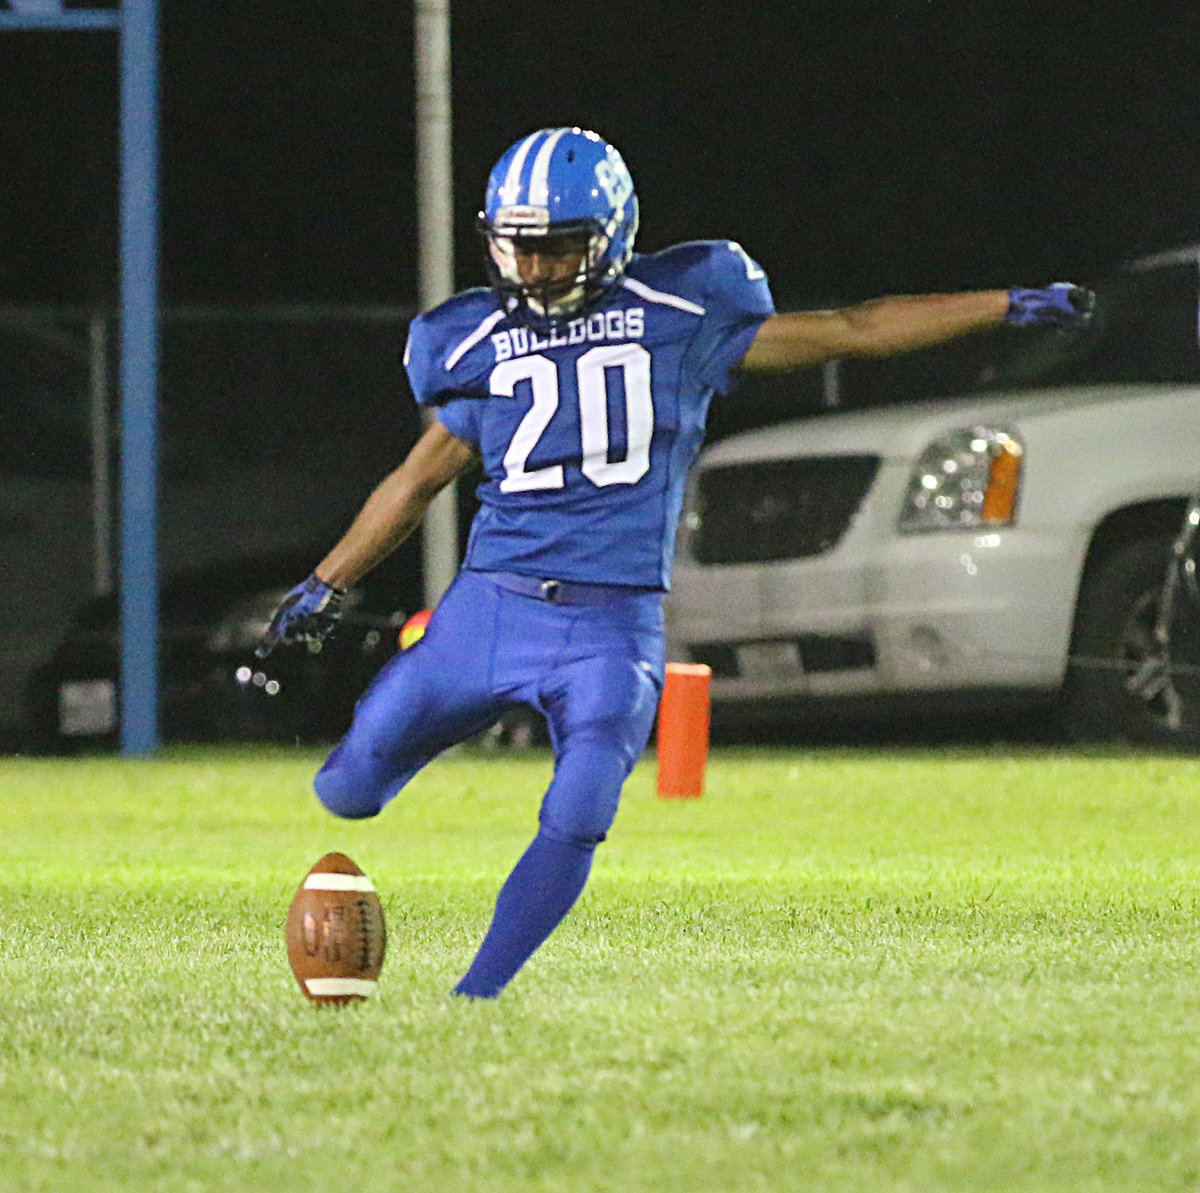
{"x": 336, "y": 936}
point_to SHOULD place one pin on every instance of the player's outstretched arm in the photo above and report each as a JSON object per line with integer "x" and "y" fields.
{"x": 312, "y": 609}
{"x": 886, "y": 326}
{"x": 395, "y": 509}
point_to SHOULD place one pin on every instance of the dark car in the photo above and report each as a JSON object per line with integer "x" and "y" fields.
{"x": 211, "y": 685}
{"x": 1169, "y": 677}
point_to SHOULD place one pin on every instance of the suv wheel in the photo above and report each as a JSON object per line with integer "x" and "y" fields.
{"x": 1118, "y": 687}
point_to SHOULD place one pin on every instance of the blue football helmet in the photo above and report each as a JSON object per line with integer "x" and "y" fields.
{"x": 559, "y": 182}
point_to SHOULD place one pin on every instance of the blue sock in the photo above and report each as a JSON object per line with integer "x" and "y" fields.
{"x": 535, "y": 898}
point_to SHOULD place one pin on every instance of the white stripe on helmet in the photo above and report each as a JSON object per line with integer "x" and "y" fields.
{"x": 510, "y": 192}
{"x": 539, "y": 180}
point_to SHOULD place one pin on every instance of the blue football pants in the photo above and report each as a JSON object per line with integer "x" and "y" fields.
{"x": 594, "y": 669}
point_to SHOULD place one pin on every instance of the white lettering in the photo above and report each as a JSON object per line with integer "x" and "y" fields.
{"x": 630, "y": 366}
{"x": 619, "y": 324}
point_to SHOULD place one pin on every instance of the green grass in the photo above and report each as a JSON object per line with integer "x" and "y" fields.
{"x": 838, "y": 970}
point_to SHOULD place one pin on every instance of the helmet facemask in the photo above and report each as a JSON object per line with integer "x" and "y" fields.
{"x": 560, "y": 297}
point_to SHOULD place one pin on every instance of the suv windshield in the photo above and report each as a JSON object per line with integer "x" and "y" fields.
{"x": 1145, "y": 330}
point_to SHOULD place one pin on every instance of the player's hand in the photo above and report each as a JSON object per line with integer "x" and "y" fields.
{"x": 307, "y": 614}
{"x": 1063, "y": 305}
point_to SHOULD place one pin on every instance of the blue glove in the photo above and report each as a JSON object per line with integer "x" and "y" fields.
{"x": 307, "y": 614}
{"x": 1063, "y": 305}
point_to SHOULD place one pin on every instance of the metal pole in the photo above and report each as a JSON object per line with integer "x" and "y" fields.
{"x": 139, "y": 376}
{"x": 831, "y": 384}
{"x": 102, "y": 564}
{"x": 138, "y": 24}
{"x": 435, "y": 260}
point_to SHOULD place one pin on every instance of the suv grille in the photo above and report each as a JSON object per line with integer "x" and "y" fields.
{"x": 780, "y": 509}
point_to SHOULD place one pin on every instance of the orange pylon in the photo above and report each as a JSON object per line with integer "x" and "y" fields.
{"x": 684, "y": 714}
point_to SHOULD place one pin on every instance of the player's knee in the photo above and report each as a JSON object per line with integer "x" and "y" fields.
{"x": 348, "y": 799}
{"x": 360, "y": 777}
{"x": 582, "y": 836}
{"x": 582, "y": 820}
{"x": 582, "y": 801}
{"x": 356, "y": 784}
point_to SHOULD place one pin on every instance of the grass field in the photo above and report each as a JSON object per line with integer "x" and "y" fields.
{"x": 839, "y": 970}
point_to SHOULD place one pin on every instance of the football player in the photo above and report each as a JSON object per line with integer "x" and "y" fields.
{"x": 580, "y": 379}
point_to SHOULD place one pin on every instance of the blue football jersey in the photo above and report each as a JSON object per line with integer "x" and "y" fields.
{"x": 588, "y": 430}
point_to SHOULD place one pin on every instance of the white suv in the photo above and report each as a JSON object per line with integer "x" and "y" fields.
{"x": 1005, "y": 548}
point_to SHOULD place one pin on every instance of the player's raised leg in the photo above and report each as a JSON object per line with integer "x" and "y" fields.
{"x": 424, "y": 700}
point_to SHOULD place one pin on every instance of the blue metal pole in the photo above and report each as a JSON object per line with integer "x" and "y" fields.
{"x": 138, "y": 23}
{"x": 139, "y": 376}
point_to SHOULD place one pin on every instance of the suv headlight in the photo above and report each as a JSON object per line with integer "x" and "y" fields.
{"x": 967, "y": 478}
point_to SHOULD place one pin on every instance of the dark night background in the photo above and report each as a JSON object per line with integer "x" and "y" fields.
{"x": 853, "y": 147}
